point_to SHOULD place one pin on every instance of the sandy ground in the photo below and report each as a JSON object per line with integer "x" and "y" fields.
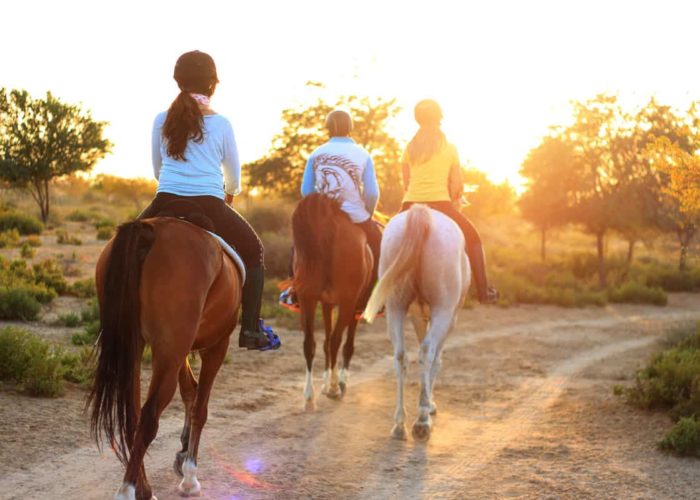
{"x": 525, "y": 410}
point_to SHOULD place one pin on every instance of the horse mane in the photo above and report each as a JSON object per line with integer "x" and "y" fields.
{"x": 314, "y": 225}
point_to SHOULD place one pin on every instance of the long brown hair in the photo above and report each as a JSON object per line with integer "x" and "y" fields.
{"x": 430, "y": 138}
{"x": 195, "y": 72}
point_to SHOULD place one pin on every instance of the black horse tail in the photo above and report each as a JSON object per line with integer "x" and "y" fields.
{"x": 114, "y": 414}
{"x": 313, "y": 230}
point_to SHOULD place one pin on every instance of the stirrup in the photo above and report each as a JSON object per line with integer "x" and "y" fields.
{"x": 288, "y": 300}
{"x": 263, "y": 340}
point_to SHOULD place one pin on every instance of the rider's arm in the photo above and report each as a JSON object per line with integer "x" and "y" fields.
{"x": 371, "y": 188}
{"x": 156, "y": 158}
{"x": 406, "y": 175}
{"x": 308, "y": 183}
{"x": 455, "y": 185}
{"x": 230, "y": 162}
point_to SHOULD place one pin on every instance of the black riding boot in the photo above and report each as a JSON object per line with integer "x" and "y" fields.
{"x": 252, "y": 335}
{"x": 485, "y": 293}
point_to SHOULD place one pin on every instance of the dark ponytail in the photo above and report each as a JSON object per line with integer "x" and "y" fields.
{"x": 195, "y": 72}
{"x": 184, "y": 122}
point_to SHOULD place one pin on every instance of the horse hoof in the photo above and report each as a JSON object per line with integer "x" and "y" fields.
{"x": 433, "y": 409}
{"x": 334, "y": 393}
{"x": 399, "y": 432}
{"x": 192, "y": 489}
{"x": 310, "y": 405}
{"x": 421, "y": 431}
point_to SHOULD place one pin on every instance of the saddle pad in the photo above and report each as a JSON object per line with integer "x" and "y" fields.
{"x": 231, "y": 253}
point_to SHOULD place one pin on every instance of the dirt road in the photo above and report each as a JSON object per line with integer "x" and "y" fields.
{"x": 525, "y": 410}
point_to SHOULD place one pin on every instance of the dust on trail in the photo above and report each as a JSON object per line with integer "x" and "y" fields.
{"x": 525, "y": 409}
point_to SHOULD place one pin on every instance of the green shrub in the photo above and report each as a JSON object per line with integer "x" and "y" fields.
{"x": 9, "y": 238}
{"x": 27, "y": 251}
{"x": 104, "y": 223}
{"x": 83, "y": 289}
{"x": 25, "y": 224}
{"x": 671, "y": 378}
{"x": 673, "y": 280}
{"x": 278, "y": 251}
{"x": 50, "y": 273}
{"x": 63, "y": 238}
{"x": 70, "y": 319}
{"x": 683, "y": 438}
{"x": 30, "y": 362}
{"x": 33, "y": 240}
{"x": 105, "y": 233}
{"x": 91, "y": 313}
{"x": 79, "y": 215}
{"x": 78, "y": 367}
{"x": 18, "y": 303}
{"x": 270, "y": 217}
{"x": 638, "y": 294}
{"x": 89, "y": 334}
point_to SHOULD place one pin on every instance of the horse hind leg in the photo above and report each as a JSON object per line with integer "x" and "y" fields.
{"x": 348, "y": 351}
{"x": 429, "y": 363}
{"x": 160, "y": 392}
{"x": 327, "y": 310}
{"x": 395, "y": 320}
{"x": 308, "y": 310}
{"x": 211, "y": 363}
{"x": 188, "y": 392}
{"x": 345, "y": 315}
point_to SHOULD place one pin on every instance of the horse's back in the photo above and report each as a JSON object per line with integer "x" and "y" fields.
{"x": 443, "y": 269}
{"x": 184, "y": 279}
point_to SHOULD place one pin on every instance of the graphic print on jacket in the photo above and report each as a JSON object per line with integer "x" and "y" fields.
{"x": 329, "y": 171}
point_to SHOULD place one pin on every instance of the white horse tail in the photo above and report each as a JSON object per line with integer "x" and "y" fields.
{"x": 402, "y": 271}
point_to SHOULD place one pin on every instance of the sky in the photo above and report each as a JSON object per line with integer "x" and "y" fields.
{"x": 503, "y": 71}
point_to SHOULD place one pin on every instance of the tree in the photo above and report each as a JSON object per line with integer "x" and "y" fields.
{"x": 681, "y": 192}
{"x": 281, "y": 170}
{"x": 42, "y": 139}
{"x": 546, "y": 202}
{"x": 138, "y": 191}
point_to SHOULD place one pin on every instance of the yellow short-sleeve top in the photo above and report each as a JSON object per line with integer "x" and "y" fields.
{"x": 429, "y": 180}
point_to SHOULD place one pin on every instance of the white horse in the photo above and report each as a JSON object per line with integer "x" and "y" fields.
{"x": 423, "y": 272}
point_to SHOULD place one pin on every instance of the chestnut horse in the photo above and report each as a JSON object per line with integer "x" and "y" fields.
{"x": 332, "y": 265}
{"x": 424, "y": 273}
{"x": 168, "y": 284}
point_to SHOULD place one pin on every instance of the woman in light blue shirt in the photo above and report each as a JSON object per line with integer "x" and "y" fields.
{"x": 195, "y": 160}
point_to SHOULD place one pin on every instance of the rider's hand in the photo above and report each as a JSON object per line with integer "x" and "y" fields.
{"x": 228, "y": 199}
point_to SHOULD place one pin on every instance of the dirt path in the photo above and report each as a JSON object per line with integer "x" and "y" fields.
{"x": 525, "y": 409}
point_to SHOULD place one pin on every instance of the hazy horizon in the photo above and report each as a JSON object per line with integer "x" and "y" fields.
{"x": 503, "y": 71}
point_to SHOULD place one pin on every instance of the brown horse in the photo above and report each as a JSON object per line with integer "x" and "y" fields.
{"x": 165, "y": 283}
{"x": 332, "y": 265}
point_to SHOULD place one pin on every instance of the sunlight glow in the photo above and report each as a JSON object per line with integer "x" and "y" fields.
{"x": 504, "y": 71}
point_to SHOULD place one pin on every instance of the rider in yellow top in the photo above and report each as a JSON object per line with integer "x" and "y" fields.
{"x": 431, "y": 175}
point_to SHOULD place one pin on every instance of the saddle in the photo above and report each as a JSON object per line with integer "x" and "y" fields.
{"x": 189, "y": 211}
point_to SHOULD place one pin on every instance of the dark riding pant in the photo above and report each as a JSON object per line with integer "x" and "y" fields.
{"x": 228, "y": 224}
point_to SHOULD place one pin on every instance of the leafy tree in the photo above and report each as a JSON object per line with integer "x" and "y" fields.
{"x": 595, "y": 178}
{"x": 138, "y": 191}
{"x": 281, "y": 170}
{"x": 486, "y": 198}
{"x": 546, "y": 202}
{"x": 681, "y": 194}
{"x": 42, "y": 139}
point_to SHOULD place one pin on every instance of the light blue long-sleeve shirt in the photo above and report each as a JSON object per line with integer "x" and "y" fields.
{"x": 208, "y": 166}
{"x": 342, "y": 169}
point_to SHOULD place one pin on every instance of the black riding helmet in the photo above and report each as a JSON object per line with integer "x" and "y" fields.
{"x": 196, "y": 72}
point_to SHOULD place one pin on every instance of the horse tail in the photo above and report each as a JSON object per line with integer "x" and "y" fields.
{"x": 313, "y": 230}
{"x": 401, "y": 276}
{"x": 112, "y": 395}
